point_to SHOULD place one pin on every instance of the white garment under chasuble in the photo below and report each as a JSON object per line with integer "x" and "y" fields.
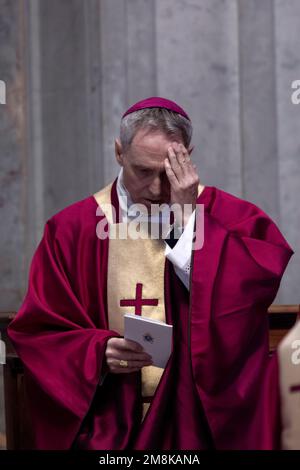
{"x": 135, "y": 282}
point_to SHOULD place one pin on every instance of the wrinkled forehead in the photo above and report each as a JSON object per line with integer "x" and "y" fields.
{"x": 151, "y": 146}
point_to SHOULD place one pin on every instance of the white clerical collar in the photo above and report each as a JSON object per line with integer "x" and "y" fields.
{"x": 124, "y": 197}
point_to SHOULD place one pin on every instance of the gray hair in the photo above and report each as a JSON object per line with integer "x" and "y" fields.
{"x": 155, "y": 119}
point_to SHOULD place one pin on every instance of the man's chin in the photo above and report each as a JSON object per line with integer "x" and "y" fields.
{"x": 150, "y": 202}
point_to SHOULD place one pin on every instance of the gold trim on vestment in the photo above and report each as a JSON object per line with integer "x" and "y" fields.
{"x": 132, "y": 262}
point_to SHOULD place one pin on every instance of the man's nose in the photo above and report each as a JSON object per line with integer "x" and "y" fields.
{"x": 156, "y": 186}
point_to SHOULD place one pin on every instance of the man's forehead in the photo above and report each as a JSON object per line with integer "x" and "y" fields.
{"x": 151, "y": 150}
{"x": 153, "y": 138}
{"x": 153, "y": 146}
{"x": 146, "y": 158}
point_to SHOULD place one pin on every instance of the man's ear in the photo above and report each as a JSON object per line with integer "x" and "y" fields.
{"x": 119, "y": 152}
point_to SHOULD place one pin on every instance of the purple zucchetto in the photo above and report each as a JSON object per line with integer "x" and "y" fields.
{"x": 156, "y": 102}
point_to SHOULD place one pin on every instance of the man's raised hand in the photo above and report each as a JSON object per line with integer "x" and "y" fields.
{"x": 184, "y": 180}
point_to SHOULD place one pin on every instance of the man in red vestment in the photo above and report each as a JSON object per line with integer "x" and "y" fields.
{"x": 88, "y": 385}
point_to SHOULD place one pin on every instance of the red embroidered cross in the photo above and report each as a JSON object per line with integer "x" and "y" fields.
{"x": 138, "y": 302}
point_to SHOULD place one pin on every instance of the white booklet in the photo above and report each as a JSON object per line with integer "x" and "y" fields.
{"x": 154, "y": 335}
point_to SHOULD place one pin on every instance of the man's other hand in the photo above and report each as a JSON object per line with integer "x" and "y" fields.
{"x": 119, "y": 349}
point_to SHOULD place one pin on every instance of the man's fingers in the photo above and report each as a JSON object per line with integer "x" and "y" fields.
{"x": 181, "y": 164}
{"x": 190, "y": 175}
{"x": 127, "y": 350}
{"x": 125, "y": 344}
{"x": 182, "y": 156}
{"x": 131, "y": 364}
{"x": 128, "y": 344}
{"x": 185, "y": 161}
{"x": 170, "y": 174}
{"x": 128, "y": 356}
{"x": 174, "y": 163}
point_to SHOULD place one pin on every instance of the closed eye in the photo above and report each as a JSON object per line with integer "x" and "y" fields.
{"x": 145, "y": 171}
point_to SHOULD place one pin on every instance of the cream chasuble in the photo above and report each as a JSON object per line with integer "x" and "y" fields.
{"x": 135, "y": 282}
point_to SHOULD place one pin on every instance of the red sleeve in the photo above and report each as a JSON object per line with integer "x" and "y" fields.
{"x": 264, "y": 242}
{"x": 236, "y": 277}
{"x": 60, "y": 347}
{"x": 270, "y": 406}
